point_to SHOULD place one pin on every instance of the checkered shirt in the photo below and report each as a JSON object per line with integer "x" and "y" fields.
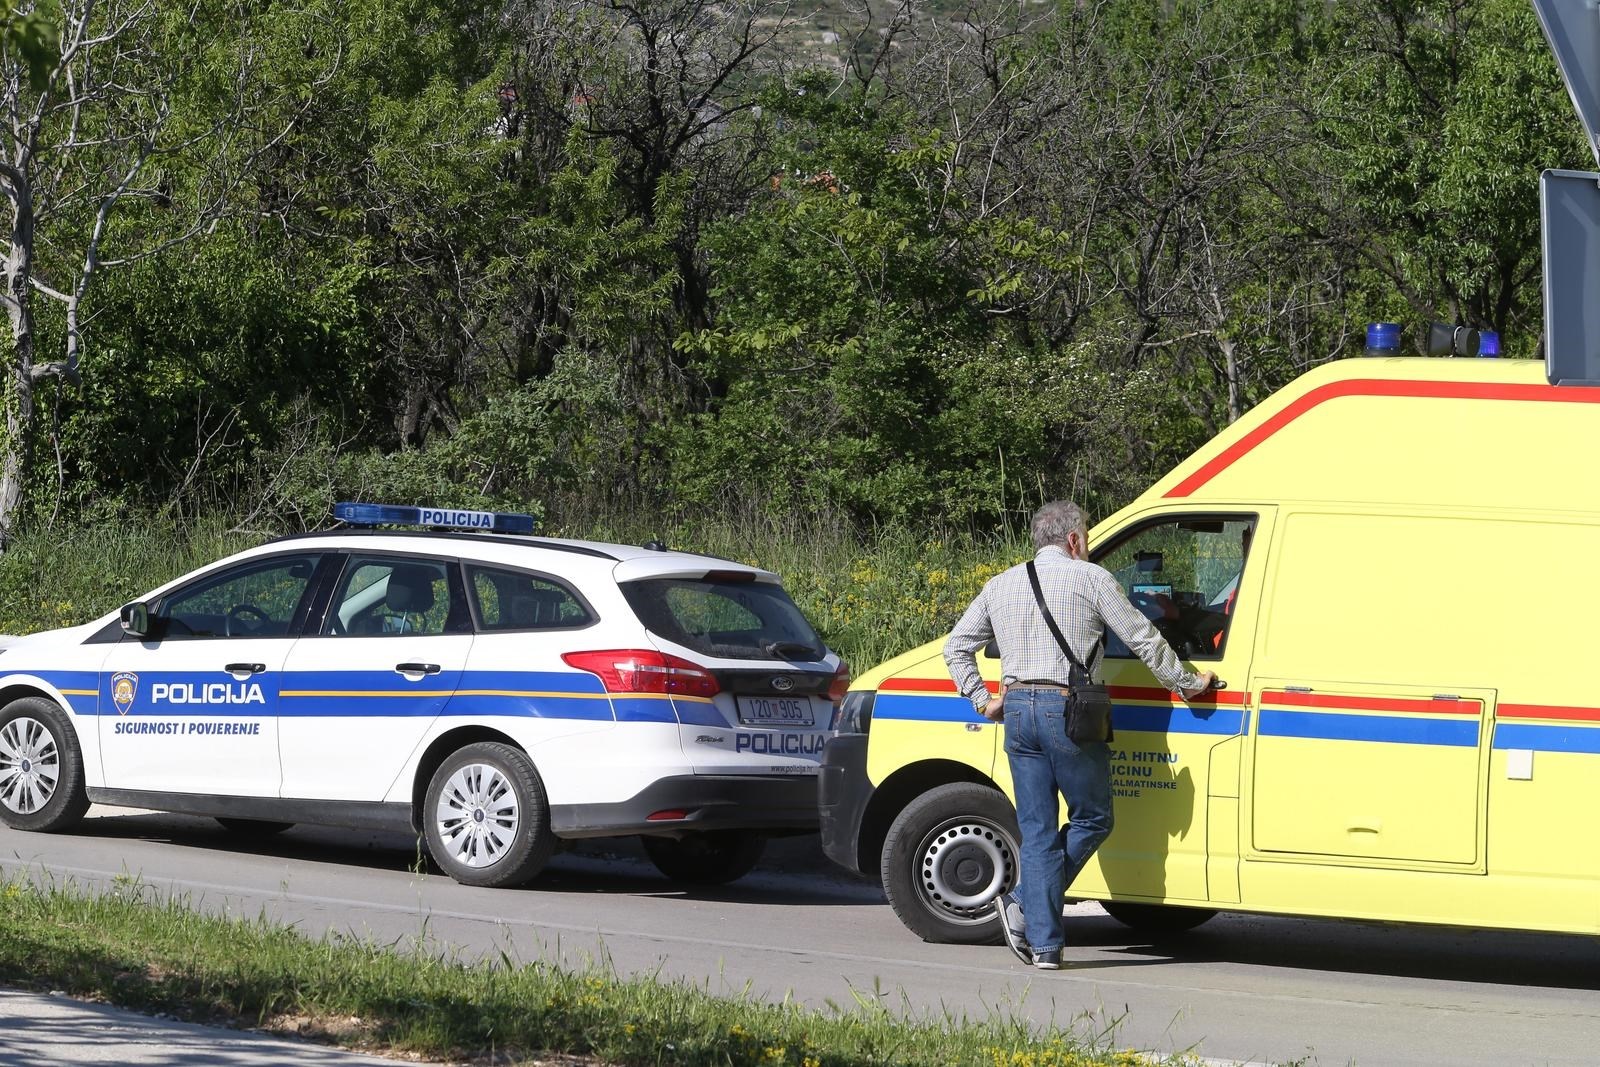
{"x": 1084, "y": 598}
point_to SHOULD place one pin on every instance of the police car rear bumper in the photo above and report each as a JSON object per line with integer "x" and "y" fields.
{"x": 785, "y": 803}
{"x": 843, "y": 791}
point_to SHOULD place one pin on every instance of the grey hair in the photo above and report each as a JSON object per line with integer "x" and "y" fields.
{"x": 1053, "y": 522}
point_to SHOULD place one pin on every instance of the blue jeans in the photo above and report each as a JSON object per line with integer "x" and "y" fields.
{"x": 1043, "y": 763}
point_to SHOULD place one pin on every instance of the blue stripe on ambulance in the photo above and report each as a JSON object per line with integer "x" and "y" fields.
{"x": 928, "y": 708}
{"x": 1142, "y": 718}
{"x": 1420, "y": 731}
{"x": 1582, "y": 739}
{"x": 1131, "y": 717}
{"x": 1326, "y": 726}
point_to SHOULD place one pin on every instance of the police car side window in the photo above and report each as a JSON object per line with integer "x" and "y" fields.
{"x": 510, "y": 600}
{"x": 383, "y": 595}
{"x": 258, "y": 599}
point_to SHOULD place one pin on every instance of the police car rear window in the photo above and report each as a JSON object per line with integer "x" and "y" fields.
{"x": 728, "y": 619}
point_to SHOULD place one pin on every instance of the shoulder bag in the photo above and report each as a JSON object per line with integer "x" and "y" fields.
{"x": 1088, "y": 703}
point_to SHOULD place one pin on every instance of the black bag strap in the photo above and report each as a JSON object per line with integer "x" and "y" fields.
{"x": 1050, "y": 621}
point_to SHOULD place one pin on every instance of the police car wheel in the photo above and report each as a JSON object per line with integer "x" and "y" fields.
{"x": 707, "y": 857}
{"x": 41, "y": 767}
{"x": 252, "y": 827}
{"x": 486, "y": 818}
{"x": 948, "y": 855}
{"x": 1156, "y": 918}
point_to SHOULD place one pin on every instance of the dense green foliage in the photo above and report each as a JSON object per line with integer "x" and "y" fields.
{"x": 679, "y": 259}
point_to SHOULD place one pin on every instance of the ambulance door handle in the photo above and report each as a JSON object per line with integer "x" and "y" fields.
{"x": 245, "y": 668}
{"x": 417, "y": 668}
{"x": 1372, "y": 826}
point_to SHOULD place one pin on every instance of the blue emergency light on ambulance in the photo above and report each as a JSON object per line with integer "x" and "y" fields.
{"x": 1383, "y": 339}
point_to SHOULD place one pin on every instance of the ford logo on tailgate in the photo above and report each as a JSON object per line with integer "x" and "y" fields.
{"x": 782, "y": 683}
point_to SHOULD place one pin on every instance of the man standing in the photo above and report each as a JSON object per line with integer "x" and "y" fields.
{"x": 1085, "y": 600}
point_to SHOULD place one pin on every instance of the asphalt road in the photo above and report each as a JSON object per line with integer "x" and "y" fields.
{"x": 1238, "y": 989}
{"x": 38, "y": 1030}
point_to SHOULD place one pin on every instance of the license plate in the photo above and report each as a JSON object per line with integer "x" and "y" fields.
{"x": 776, "y": 711}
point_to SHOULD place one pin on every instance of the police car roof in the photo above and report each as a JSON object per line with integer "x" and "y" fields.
{"x": 640, "y": 557}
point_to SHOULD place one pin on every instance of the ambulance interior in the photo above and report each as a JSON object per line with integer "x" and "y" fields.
{"x": 1184, "y": 576}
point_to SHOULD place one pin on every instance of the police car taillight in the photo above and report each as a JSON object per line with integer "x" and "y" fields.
{"x": 636, "y": 670}
{"x": 840, "y": 684}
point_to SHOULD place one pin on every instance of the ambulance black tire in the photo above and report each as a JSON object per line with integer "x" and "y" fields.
{"x": 531, "y": 842}
{"x": 1156, "y": 918}
{"x": 40, "y": 725}
{"x": 706, "y": 857}
{"x": 252, "y": 827}
{"x": 958, "y": 831}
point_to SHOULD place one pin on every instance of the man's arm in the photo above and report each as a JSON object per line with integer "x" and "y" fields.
{"x": 1146, "y": 642}
{"x": 972, "y": 632}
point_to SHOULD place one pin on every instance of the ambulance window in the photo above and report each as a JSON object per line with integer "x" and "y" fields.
{"x": 378, "y": 596}
{"x": 512, "y": 600}
{"x": 1184, "y": 576}
{"x": 256, "y": 599}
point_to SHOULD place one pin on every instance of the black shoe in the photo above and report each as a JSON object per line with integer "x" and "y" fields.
{"x": 1048, "y": 960}
{"x": 1014, "y": 927}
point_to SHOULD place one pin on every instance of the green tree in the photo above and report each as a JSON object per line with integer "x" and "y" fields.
{"x": 102, "y": 167}
{"x": 1443, "y": 113}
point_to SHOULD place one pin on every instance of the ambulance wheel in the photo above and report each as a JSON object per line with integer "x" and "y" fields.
{"x": 948, "y": 855}
{"x": 486, "y": 817}
{"x": 1156, "y": 918}
{"x": 41, "y": 767}
{"x": 252, "y": 827}
{"x": 706, "y": 857}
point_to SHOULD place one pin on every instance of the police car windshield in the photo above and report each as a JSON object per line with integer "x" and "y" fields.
{"x": 728, "y": 619}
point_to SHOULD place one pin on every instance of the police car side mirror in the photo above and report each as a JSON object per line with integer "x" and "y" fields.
{"x": 991, "y": 648}
{"x": 136, "y": 619}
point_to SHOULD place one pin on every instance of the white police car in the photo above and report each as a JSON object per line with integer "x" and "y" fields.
{"x": 493, "y": 691}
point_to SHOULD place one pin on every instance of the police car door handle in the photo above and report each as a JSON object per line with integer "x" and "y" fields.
{"x": 417, "y": 668}
{"x": 245, "y": 668}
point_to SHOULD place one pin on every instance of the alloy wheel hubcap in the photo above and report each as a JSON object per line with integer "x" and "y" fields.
{"x": 30, "y": 765}
{"x": 477, "y": 815}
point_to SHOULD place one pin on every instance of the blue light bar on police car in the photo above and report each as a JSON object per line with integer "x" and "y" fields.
{"x": 452, "y": 518}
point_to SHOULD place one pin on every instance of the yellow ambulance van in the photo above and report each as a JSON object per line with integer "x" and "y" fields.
{"x": 1389, "y": 561}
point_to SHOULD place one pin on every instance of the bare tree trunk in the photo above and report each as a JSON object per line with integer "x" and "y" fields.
{"x": 74, "y": 146}
{"x": 1230, "y": 363}
{"x": 19, "y": 311}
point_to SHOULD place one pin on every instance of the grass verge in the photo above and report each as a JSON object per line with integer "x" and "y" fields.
{"x": 130, "y": 949}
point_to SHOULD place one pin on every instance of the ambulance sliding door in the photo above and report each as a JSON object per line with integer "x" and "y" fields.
{"x": 1372, "y": 738}
{"x": 1174, "y": 764}
{"x": 1389, "y": 773}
